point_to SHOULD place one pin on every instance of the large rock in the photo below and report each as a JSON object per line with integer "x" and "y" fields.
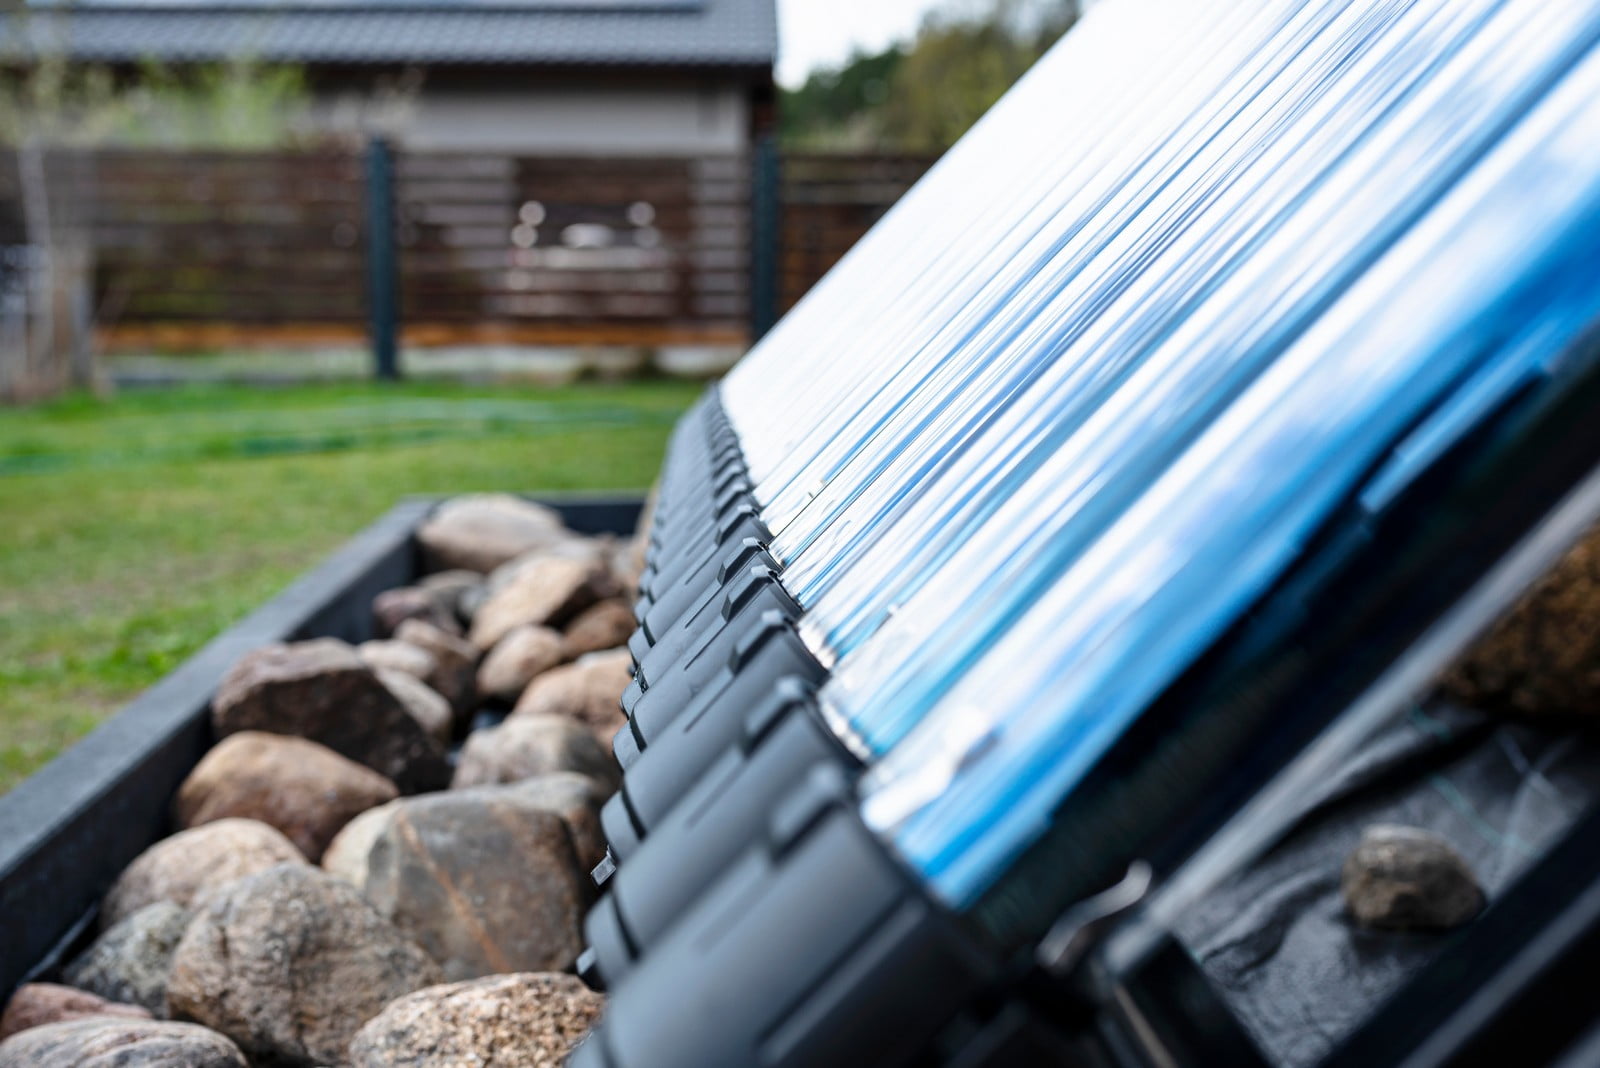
{"x": 547, "y": 592}
{"x": 586, "y": 550}
{"x": 38, "y": 1004}
{"x": 526, "y": 746}
{"x": 322, "y": 691}
{"x": 132, "y": 961}
{"x": 304, "y": 789}
{"x": 1402, "y": 878}
{"x": 523, "y": 654}
{"x": 576, "y": 798}
{"x": 391, "y": 655}
{"x": 607, "y": 625}
{"x": 479, "y": 532}
{"x": 190, "y": 865}
{"x": 290, "y": 963}
{"x": 346, "y": 856}
{"x": 456, "y": 661}
{"x": 508, "y": 1021}
{"x": 486, "y": 881}
{"x": 1542, "y": 659}
{"x": 428, "y": 708}
{"x": 393, "y": 607}
{"x": 103, "y": 1042}
{"x": 589, "y": 691}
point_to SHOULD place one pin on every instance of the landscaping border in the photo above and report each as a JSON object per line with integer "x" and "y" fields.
{"x": 67, "y": 830}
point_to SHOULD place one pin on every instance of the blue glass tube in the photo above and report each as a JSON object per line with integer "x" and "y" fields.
{"x": 1262, "y": 219}
{"x": 1489, "y": 289}
{"x": 964, "y": 223}
{"x": 1078, "y": 482}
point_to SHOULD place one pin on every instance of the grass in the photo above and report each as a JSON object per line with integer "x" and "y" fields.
{"x": 133, "y": 529}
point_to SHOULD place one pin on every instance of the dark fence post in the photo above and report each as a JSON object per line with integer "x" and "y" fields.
{"x": 766, "y": 222}
{"x": 383, "y": 275}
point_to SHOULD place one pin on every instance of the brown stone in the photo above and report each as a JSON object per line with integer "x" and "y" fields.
{"x": 526, "y": 746}
{"x": 584, "y": 550}
{"x": 479, "y": 532}
{"x": 37, "y": 1004}
{"x": 290, "y": 963}
{"x": 589, "y": 691}
{"x": 428, "y": 708}
{"x": 322, "y": 691}
{"x": 305, "y": 790}
{"x": 627, "y": 564}
{"x": 547, "y": 592}
{"x": 1542, "y": 659}
{"x": 400, "y": 656}
{"x": 524, "y": 653}
{"x": 508, "y": 1021}
{"x": 456, "y": 660}
{"x": 346, "y": 855}
{"x": 185, "y": 868}
{"x": 393, "y": 607}
{"x": 576, "y": 798}
{"x": 111, "y": 1042}
{"x": 485, "y": 880}
{"x": 607, "y": 625}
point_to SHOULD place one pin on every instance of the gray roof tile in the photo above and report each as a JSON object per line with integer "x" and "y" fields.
{"x": 719, "y": 33}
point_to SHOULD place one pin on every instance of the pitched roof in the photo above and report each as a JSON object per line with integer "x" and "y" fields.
{"x": 710, "y": 33}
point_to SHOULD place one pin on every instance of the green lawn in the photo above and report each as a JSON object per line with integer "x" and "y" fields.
{"x": 134, "y": 529}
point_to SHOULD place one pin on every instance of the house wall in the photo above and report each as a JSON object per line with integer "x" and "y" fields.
{"x": 578, "y": 118}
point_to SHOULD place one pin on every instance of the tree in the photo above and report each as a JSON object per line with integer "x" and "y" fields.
{"x": 50, "y": 108}
{"x": 923, "y": 96}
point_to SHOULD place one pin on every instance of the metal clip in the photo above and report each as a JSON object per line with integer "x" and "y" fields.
{"x": 1082, "y": 925}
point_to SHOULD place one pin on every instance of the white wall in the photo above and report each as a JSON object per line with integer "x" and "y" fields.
{"x": 585, "y": 119}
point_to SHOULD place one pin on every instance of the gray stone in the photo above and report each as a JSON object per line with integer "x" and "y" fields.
{"x": 428, "y": 708}
{"x": 451, "y": 586}
{"x": 305, "y": 790}
{"x": 322, "y": 691}
{"x": 132, "y": 961}
{"x": 393, "y": 607}
{"x": 523, "y": 654}
{"x": 508, "y": 1021}
{"x": 607, "y": 625}
{"x": 526, "y": 746}
{"x": 486, "y": 881}
{"x": 37, "y": 1004}
{"x": 1403, "y": 878}
{"x": 470, "y": 601}
{"x": 479, "y": 532}
{"x": 186, "y": 867}
{"x": 107, "y": 1042}
{"x": 290, "y": 963}
{"x": 547, "y": 592}
{"x": 456, "y": 660}
{"x": 588, "y": 692}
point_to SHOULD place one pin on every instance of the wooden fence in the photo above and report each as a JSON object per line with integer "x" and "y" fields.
{"x": 204, "y": 250}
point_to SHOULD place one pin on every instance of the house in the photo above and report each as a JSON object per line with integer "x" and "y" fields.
{"x": 580, "y": 77}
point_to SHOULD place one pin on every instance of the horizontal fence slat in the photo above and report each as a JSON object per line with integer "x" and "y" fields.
{"x": 185, "y": 244}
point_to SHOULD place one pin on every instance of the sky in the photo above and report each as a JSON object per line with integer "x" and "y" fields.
{"x": 817, "y": 33}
